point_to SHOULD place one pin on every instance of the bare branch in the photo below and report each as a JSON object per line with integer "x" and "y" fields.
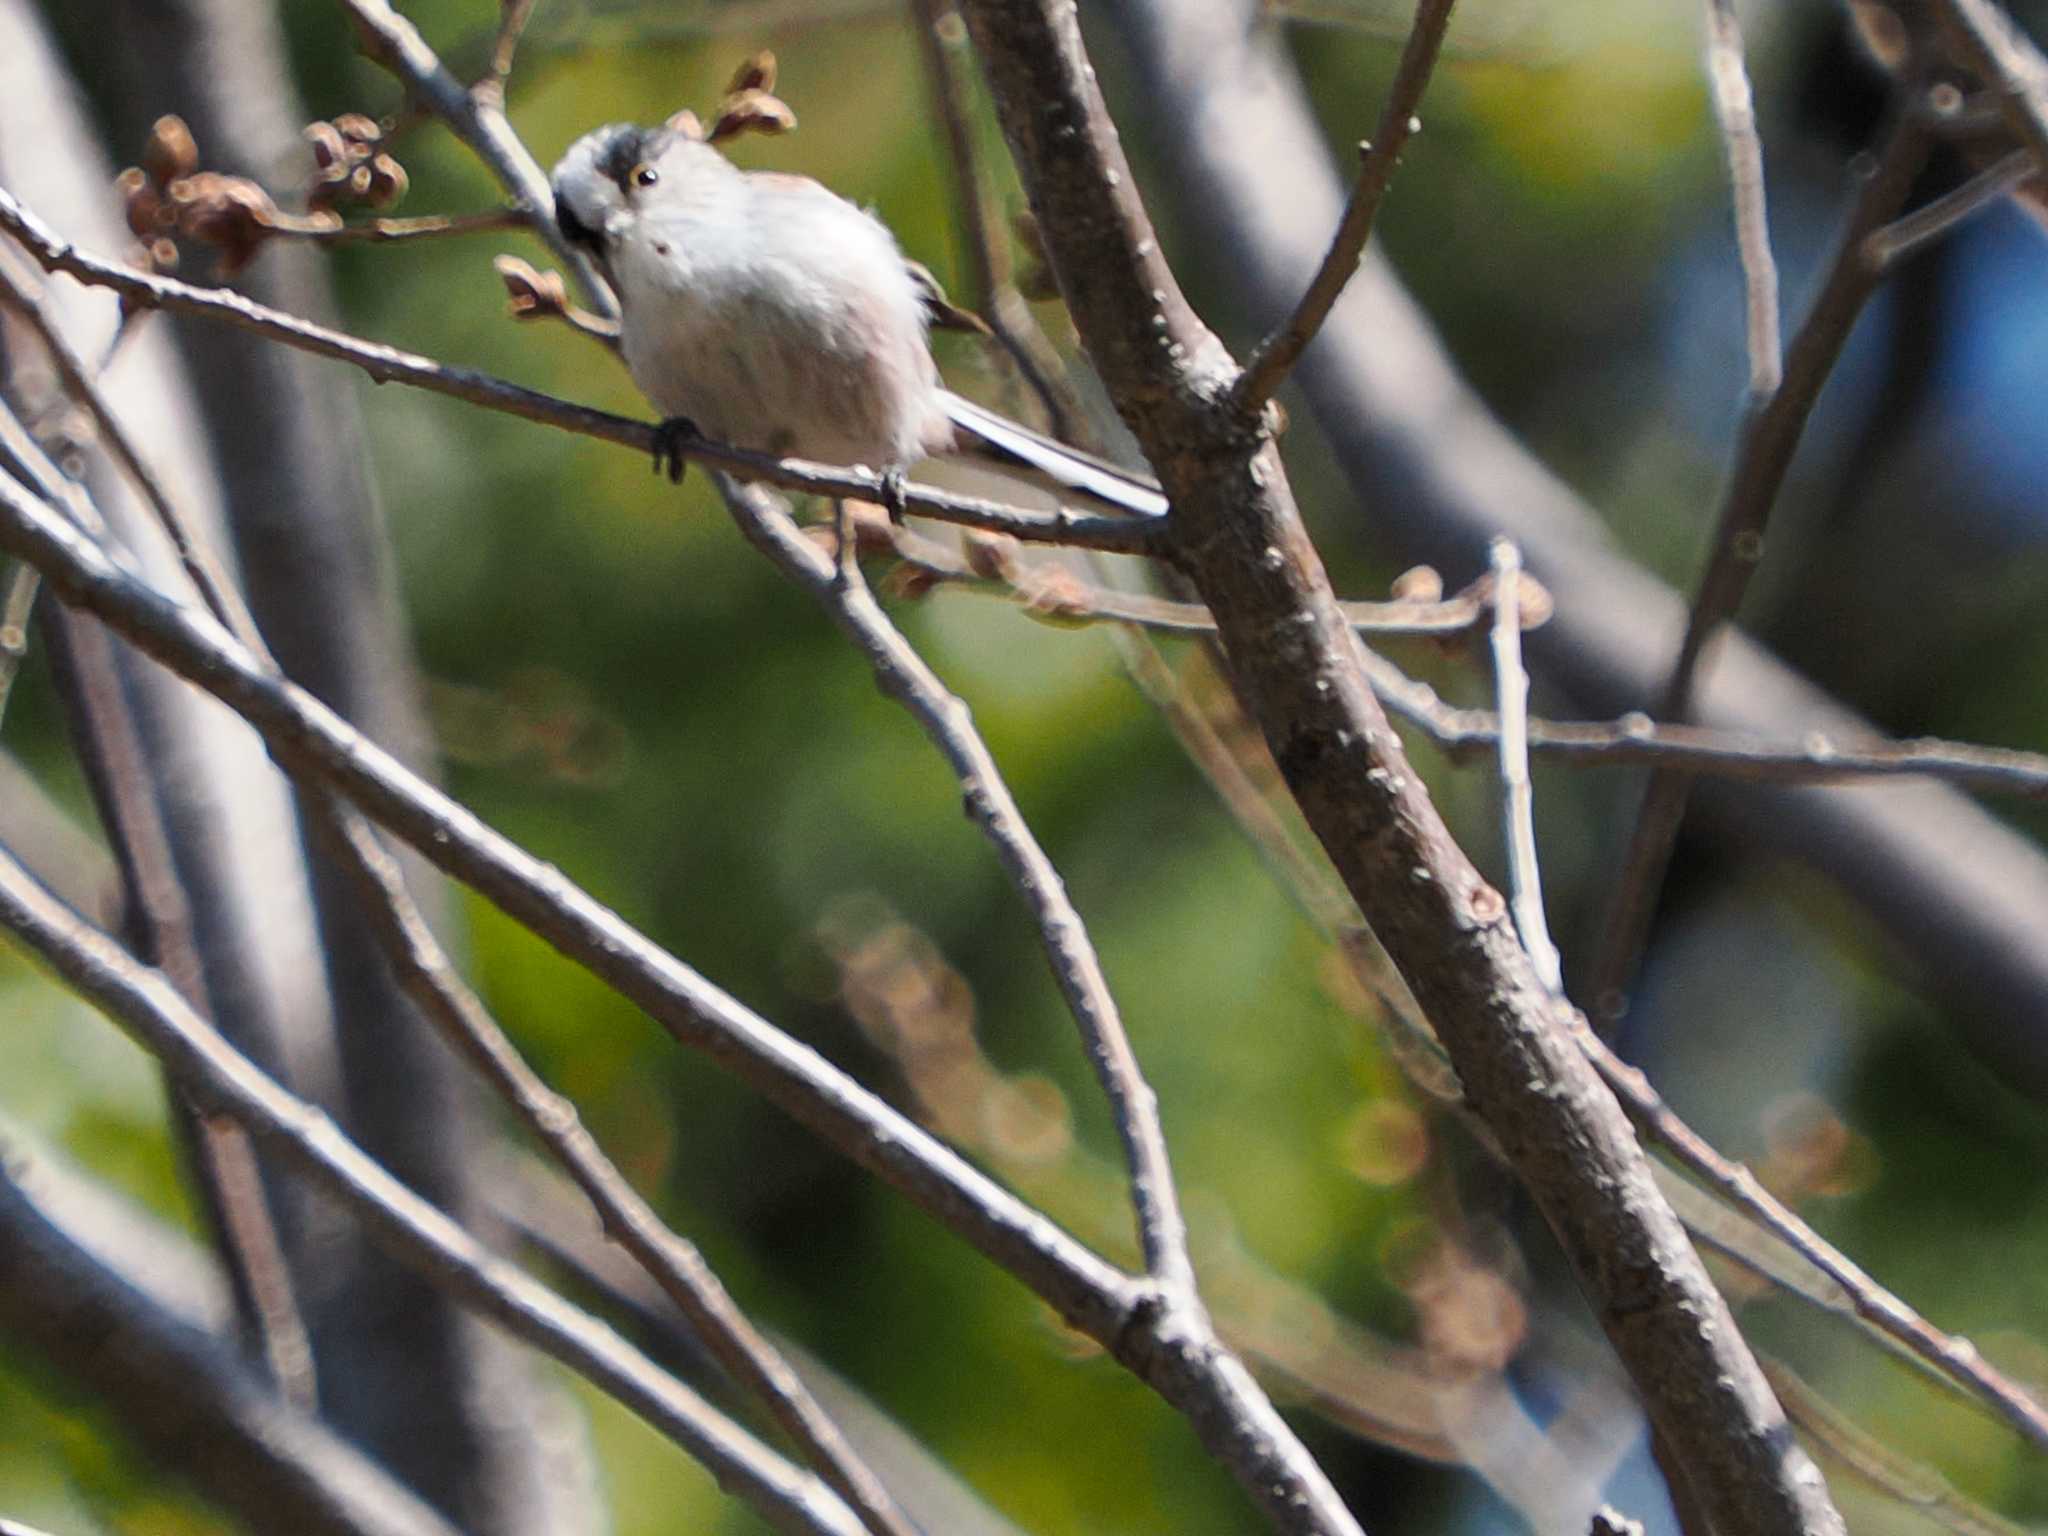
{"x": 223, "y": 1080}
{"x": 1763, "y": 455}
{"x": 478, "y": 119}
{"x": 903, "y": 674}
{"x": 512, "y": 18}
{"x": 1237, "y": 534}
{"x": 1278, "y": 353}
{"x": 391, "y": 365}
{"x": 1735, "y": 110}
{"x": 1955, "y": 1358}
{"x": 431, "y": 981}
{"x": 1817, "y": 758}
{"x": 1912, "y": 1483}
{"x": 1913, "y": 232}
{"x": 77, "y": 375}
{"x": 941, "y": 37}
{"x": 2002, "y": 54}
{"x": 1089, "y": 1293}
{"x": 163, "y": 1378}
{"x": 426, "y": 226}
{"x": 1511, "y": 688}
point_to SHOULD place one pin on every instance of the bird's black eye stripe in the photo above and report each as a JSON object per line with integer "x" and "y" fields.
{"x": 574, "y": 230}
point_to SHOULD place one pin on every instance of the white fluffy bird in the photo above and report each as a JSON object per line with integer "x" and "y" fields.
{"x": 772, "y": 314}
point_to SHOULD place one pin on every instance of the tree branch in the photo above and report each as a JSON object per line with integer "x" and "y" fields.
{"x": 224, "y": 1081}
{"x": 169, "y": 1383}
{"x": 391, "y": 365}
{"x": 903, "y": 674}
{"x": 1236, "y": 533}
{"x": 1278, "y": 353}
{"x": 1763, "y": 456}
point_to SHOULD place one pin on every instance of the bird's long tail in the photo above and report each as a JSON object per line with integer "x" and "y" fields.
{"x": 982, "y": 434}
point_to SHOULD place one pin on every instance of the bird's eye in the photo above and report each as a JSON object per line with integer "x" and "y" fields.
{"x": 645, "y": 175}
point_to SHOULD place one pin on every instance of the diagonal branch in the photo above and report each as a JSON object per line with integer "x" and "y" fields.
{"x": 1237, "y": 534}
{"x": 1770, "y": 435}
{"x": 674, "y": 1263}
{"x": 904, "y": 675}
{"x": 1279, "y": 352}
{"x": 1735, "y": 110}
{"x": 1518, "y": 810}
{"x": 223, "y": 1080}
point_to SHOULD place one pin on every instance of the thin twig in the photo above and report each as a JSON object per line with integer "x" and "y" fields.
{"x": 1280, "y": 351}
{"x": 422, "y": 227}
{"x": 2003, "y": 55}
{"x": 434, "y": 985}
{"x": 1912, "y": 1483}
{"x": 1511, "y": 689}
{"x": 1912, "y": 233}
{"x": 77, "y": 377}
{"x": 478, "y": 119}
{"x": 316, "y": 743}
{"x": 1770, "y": 434}
{"x": 905, "y": 676}
{"x": 223, "y": 1080}
{"x": 941, "y": 37}
{"x": 1735, "y": 111}
{"x": 1816, "y": 758}
{"x": 1953, "y": 1357}
{"x": 1057, "y": 593}
{"x": 391, "y": 365}
{"x": 512, "y": 18}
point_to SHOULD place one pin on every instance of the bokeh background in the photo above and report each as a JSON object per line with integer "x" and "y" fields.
{"x": 615, "y": 680}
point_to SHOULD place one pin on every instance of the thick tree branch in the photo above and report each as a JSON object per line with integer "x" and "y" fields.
{"x": 1961, "y": 895}
{"x": 1236, "y": 533}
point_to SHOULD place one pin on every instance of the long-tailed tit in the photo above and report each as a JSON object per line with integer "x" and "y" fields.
{"x": 772, "y": 314}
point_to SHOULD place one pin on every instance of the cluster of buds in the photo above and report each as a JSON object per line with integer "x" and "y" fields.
{"x": 750, "y": 105}
{"x": 349, "y": 166}
{"x": 168, "y": 198}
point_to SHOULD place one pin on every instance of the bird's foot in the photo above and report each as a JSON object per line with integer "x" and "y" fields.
{"x": 669, "y": 440}
{"x": 895, "y": 494}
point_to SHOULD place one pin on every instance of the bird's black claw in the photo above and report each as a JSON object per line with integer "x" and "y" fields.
{"x": 895, "y": 494}
{"x": 669, "y": 439}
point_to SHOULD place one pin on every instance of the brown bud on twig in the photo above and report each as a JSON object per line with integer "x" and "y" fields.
{"x": 751, "y": 111}
{"x": 535, "y": 295}
{"x": 170, "y": 152}
{"x": 756, "y": 74}
{"x": 359, "y": 129}
{"x": 330, "y": 149}
{"x": 688, "y": 124}
{"x": 231, "y": 213}
{"x": 141, "y": 204}
{"x": 1417, "y": 584}
{"x": 388, "y": 182}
